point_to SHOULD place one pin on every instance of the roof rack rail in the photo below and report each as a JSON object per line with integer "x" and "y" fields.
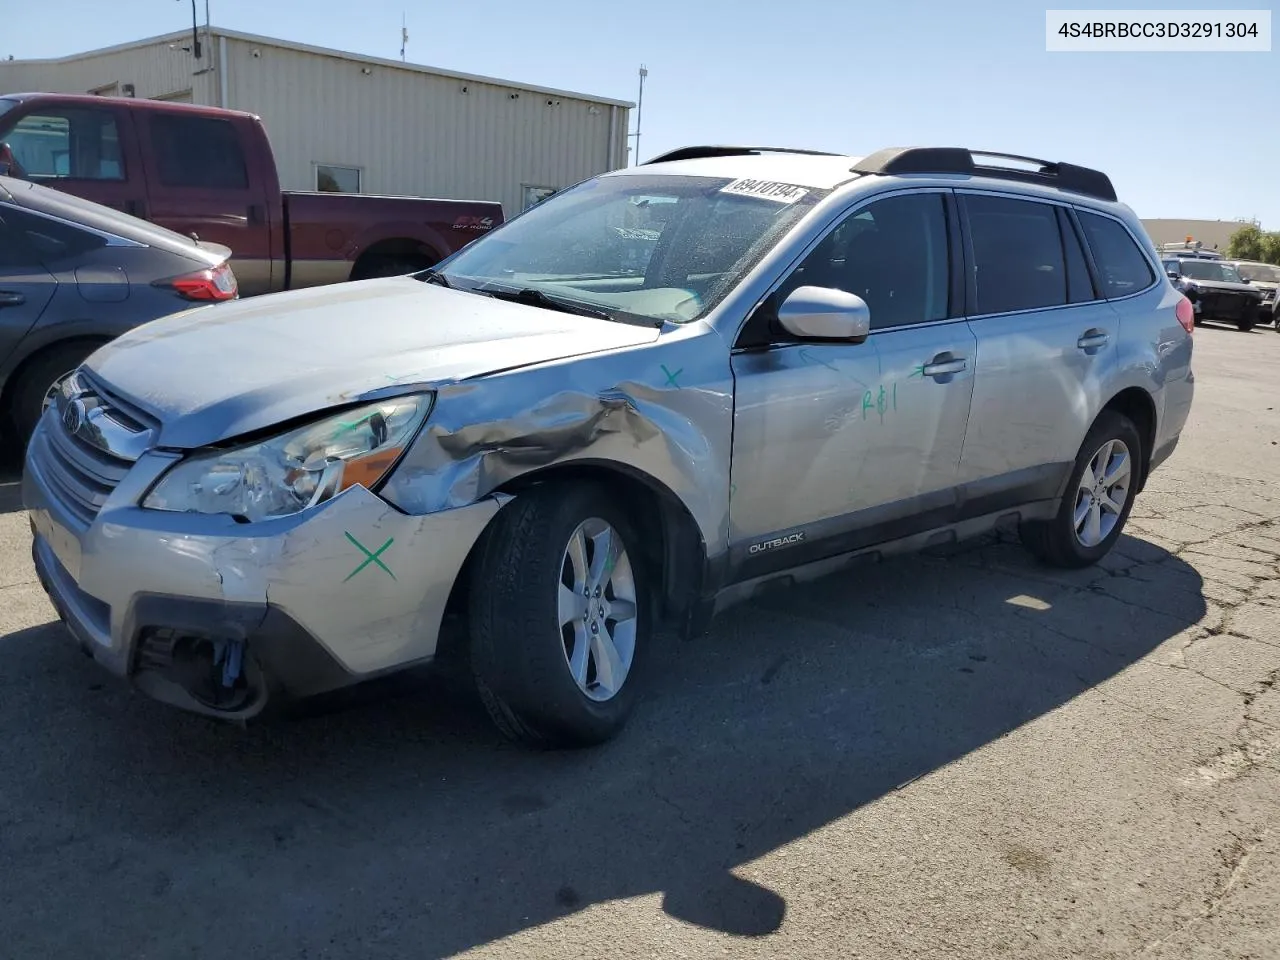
{"x": 1065, "y": 176}
{"x": 698, "y": 153}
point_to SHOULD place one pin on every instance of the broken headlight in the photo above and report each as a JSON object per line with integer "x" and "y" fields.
{"x": 295, "y": 470}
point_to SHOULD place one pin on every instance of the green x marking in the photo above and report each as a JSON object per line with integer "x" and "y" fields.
{"x": 370, "y": 557}
{"x": 671, "y": 377}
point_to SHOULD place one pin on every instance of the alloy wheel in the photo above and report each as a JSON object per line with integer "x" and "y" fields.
{"x": 597, "y": 609}
{"x": 1102, "y": 493}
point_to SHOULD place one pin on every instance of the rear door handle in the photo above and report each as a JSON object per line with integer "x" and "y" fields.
{"x": 10, "y": 299}
{"x": 1092, "y": 339}
{"x": 942, "y": 366}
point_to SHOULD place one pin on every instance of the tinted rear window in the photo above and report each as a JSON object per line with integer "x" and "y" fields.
{"x": 1122, "y": 267}
{"x": 39, "y": 239}
{"x": 1017, "y": 252}
{"x": 198, "y": 152}
{"x": 66, "y": 206}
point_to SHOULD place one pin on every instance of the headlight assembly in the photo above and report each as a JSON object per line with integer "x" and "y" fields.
{"x": 296, "y": 470}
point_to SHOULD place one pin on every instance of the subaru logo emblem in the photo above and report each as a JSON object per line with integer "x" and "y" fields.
{"x": 73, "y": 416}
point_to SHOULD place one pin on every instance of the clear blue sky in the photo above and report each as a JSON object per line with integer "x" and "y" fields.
{"x": 850, "y": 77}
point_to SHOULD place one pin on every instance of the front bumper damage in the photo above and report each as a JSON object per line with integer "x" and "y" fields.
{"x": 220, "y": 617}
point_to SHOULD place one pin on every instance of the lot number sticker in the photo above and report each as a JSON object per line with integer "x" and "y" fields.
{"x": 766, "y": 190}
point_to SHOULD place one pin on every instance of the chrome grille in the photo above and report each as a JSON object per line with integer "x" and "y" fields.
{"x": 86, "y": 445}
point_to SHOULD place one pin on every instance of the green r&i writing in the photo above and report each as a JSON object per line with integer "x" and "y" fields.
{"x": 881, "y": 402}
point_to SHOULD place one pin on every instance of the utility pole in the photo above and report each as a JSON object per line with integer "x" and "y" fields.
{"x": 195, "y": 27}
{"x": 644, "y": 72}
{"x": 404, "y": 34}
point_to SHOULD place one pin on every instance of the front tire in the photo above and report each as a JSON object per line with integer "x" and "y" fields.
{"x": 1098, "y": 500}
{"x": 560, "y": 617}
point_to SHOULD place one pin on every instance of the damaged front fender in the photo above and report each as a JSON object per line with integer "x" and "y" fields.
{"x": 673, "y": 426}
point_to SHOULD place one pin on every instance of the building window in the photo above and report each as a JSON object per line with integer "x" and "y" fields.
{"x": 335, "y": 179}
{"x": 535, "y": 195}
{"x": 67, "y": 144}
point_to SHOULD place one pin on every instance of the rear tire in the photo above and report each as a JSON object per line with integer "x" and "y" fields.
{"x": 555, "y": 668}
{"x": 1088, "y": 522}
{"x": 1244, "y": 326}
{"x": 34, "y": 381}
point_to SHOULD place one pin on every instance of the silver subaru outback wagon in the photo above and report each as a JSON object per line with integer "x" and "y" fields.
{"x": 629, "y": 407}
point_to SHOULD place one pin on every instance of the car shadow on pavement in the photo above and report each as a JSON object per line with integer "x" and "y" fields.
{"x": 403, "y": 826}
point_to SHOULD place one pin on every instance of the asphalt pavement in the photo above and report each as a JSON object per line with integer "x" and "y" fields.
{"x": 959, "y": 756}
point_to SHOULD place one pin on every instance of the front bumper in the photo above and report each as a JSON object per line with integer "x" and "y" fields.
{"x": 1231, "y": 307}
{"x": 346, "y": 591}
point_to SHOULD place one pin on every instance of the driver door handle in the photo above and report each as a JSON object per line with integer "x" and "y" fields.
{"x": 9, "y": 298}
{"x": 1092, "y": 339}
{"x": 944, "y": 365}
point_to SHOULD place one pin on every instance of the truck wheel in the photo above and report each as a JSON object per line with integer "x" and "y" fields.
{"x": 1244, "y": 326}
{"x": 1099, "y": 497}
{"x": 390, "y": 267}
{"x": 560, "y": 617}
{"x": 34, "y": 380}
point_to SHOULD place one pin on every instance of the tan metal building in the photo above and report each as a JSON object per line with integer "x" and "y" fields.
{"x": 342, "y": 121}
{"x": 1212, "y": 234}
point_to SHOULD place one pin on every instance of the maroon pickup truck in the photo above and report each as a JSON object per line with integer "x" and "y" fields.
{"x": 211, "y": 172}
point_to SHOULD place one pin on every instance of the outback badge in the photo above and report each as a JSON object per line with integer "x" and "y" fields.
{"x": 776, "y": 542}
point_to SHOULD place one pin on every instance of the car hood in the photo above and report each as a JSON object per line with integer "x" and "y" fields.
{"x": 219, "y": 372}
{"x": 1223, "y": 286}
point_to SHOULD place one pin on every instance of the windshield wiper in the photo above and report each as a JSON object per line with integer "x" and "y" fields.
{"x": 434, "y": 276}
{"x": 532, "y": 297}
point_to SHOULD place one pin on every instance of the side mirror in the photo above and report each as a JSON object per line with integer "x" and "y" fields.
{"x": 1173, "y": 274}
{"x": 823, "y": 313}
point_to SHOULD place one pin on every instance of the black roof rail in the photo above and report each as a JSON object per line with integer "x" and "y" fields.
{"x": 697, "y": 153}
{"x": 1065, "y": 176}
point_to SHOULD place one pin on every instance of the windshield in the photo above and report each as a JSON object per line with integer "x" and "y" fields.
{"x": 1209, "y": 270}
{"x": 1259, "y": 271}
{"x": 659, "y": 248}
